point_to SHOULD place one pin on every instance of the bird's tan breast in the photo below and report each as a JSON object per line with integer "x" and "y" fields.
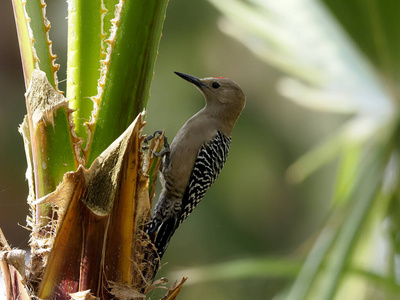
{"x": 185, "y": 148}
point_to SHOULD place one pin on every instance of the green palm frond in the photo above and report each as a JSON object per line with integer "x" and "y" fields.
{"x": 338, "y": 57}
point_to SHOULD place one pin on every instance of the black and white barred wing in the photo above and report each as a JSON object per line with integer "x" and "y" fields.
{"x": 208, "y": 165}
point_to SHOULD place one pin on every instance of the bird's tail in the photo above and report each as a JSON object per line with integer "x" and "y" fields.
{"x": 160, "y": 233}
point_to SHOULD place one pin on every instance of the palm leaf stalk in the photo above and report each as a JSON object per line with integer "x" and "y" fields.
{"x": 90, "y": 183}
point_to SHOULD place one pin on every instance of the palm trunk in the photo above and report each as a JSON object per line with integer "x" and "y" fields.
{"x": 91, "y": 184}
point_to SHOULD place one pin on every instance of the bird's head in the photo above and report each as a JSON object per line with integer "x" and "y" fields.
{"x": 222, "y": 95}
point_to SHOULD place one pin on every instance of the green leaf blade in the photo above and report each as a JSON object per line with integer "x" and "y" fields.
{"x": 52, "y": 142}
{"x": 273, "y": 267}
{"x": 40, "y": 27}
{"x": 110, "y": 7}
{"x": 24, "y": 40}
{"x": 376, "y": 33}
{"x": 130, "y": 70}
{"x": 84, "y": 54}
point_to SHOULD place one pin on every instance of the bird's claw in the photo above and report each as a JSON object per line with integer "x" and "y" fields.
{"x": 161, "y": 153}
{"x": 152, "y": 136}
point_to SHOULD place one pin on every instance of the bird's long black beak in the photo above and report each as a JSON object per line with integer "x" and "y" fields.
{"x": 192, "y": 79}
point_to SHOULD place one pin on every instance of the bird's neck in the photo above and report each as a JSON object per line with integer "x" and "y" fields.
{"x": 224, "y": 120}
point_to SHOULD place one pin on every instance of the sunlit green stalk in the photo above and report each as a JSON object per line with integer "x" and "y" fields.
{"x": 84, "y": 54}
{"x": 128, "y": 71}
{"x": 40, "y": 29}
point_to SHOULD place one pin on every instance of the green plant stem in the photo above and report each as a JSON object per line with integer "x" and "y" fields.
{"x": 84, "y": 54}
{"x": 129, "y": 71}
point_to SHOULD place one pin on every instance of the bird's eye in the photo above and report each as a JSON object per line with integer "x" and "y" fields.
{"x": 215, "y": 85}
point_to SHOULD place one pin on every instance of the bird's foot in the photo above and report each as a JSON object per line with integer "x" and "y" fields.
{"x": 152, "y": 136}
{"x": 166, "y": 149}
{"x": 161, "y": 153}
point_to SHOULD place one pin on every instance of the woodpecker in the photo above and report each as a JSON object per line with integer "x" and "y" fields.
{"x": 196, "y": 156}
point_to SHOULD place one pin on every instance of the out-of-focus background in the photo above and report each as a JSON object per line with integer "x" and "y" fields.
{"x": 254, "y": 210}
